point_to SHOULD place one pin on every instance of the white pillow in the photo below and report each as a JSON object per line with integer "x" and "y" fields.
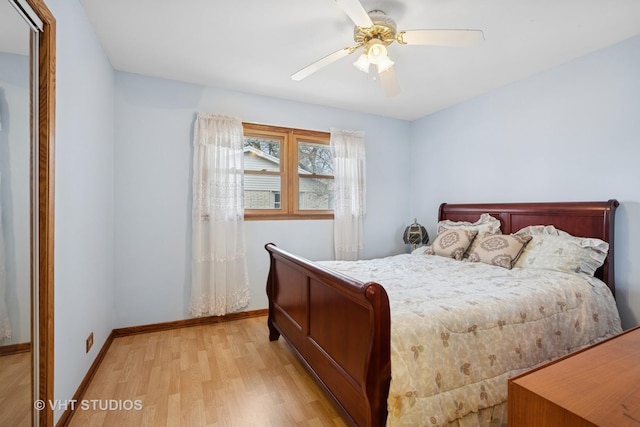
{"x": 553, "y": 249}
{"x": 418, "y": 251}
{"x": 535, "y": 230}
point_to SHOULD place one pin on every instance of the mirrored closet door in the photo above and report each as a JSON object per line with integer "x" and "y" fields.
{"x": 26, "y": 227}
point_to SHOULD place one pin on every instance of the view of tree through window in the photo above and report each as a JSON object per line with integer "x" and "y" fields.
{"x": 288, "y": 173}
{"x": 267, "y": 146}
{"x": 315, "y": 159}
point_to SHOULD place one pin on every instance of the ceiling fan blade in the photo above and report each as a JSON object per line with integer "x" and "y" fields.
{"x": 312, "y": 68}
{"x": 441, "y": 37}
{"x": 356, "y": 12}
{"x": 389, "y": 82}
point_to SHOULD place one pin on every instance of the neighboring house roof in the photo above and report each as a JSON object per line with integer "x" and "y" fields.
{"x": 262, "y": 154}
{"x": 262, "y": 161}
{"x": 268, "y": 157}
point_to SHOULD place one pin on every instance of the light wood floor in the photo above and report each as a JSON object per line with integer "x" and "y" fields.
{"x": 225, "y": 374}
{"x": 16, "y": 404}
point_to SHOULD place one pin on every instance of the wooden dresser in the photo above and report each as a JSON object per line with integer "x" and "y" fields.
{"x": 597, "y": 386}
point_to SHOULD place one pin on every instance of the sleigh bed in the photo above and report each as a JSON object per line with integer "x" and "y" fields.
{"x": 340, "y": 326}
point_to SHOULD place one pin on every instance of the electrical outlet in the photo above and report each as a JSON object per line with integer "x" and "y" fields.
{"x": 89, "y": 341}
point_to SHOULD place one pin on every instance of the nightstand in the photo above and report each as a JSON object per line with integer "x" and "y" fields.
{"x": 597, "y": 386}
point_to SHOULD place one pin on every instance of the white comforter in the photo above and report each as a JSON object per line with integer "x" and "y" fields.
{"x": 459, "y": 330}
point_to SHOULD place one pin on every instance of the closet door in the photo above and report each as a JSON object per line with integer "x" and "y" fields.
{"x": 27, "y": 65}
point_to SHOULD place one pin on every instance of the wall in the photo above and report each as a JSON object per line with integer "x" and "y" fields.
{"x": 154, "y": 124}
{"x": 84, "y": 201}
{"x": 15, "y": 253}
{"x": 567, "y": 134}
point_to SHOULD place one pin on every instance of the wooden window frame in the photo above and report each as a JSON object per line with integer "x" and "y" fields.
{"x": 289, "y": 178}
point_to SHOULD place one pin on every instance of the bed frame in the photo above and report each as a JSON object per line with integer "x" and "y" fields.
{"x": 340, "y": 328}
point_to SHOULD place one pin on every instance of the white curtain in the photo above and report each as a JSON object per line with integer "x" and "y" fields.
{"x": 5, "y": 324}
{"x": 349, "y": 169}
{"x": 219, "y": 280}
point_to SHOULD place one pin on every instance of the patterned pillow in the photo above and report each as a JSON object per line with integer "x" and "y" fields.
{"x": 484, "y": 226}
{"x": 451, "y": 243}
{"x": 501, "y": 250}
{"x": 563, "y": 252}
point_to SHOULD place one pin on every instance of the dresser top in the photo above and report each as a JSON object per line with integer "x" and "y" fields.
{"x": 600, "y": 384}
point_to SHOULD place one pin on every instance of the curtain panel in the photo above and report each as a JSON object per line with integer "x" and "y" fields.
{"x": 219, "y": 279}
{"x": 5, "y": 324}
{"x": 350, "y": 193}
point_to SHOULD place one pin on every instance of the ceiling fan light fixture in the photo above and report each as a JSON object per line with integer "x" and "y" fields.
{"x": 373, "y": 32}
{"x": 362, "y": 63}
{"x": 376, "y": 51}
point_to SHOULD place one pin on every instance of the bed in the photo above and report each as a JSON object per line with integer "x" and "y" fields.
{"x": 340, "y": 326}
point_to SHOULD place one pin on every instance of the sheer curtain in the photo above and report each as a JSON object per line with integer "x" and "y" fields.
{"x": 5, "y": 324}
{"x": 219, "y": 280}
{"x": 349, "y": 168}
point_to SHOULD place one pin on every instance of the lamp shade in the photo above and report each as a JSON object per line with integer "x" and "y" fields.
{"x": 362, "y": 63}
{"x": 384, "y": 64}
{"x": 376, "y": 51}
{"x": 415, "y": 234}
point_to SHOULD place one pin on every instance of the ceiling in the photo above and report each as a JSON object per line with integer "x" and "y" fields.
{"x": 255, "y": 45}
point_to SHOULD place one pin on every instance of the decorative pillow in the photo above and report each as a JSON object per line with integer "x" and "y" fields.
{"x": 486, "y": 225}
{"x": 536, "y": 230}
{"x": 451, "y": 243}
{"x": 501, "y": 250}
{"x": 562, "y": 252}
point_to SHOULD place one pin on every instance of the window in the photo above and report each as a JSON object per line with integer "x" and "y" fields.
{"x": 288, "y": 173}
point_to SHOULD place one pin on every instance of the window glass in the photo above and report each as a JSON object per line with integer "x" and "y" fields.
{"x": 288, "y": 173}
{"x": 261, "y": 154}
{"x": 260, "y": 191}
{"x": 314, "y": 159}
{"x": 316, "y": 194}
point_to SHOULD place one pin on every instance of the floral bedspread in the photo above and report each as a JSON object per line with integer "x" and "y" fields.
{"x": 459, "y": 330}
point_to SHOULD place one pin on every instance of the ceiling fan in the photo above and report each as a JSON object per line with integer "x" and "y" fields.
{"x": 375, "y": 31}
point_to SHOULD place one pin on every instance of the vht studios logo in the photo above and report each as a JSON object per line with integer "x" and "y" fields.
{"x": 89, "y": 405}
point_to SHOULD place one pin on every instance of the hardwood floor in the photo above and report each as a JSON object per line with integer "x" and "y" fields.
{"x": 224, "y": 374}
{"x": 16, "y": 403}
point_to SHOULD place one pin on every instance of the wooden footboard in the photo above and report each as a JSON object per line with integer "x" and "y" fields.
{"x": 339, "y": 328}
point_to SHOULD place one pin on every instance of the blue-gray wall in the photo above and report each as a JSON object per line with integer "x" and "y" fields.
{"x": 572, "y": 133}
{"x": 84, "y": 201}
{"x": 154, "y": 122}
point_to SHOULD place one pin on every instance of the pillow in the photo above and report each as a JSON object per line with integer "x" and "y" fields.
{"x": 419, "y": 250}
{"x": 486, "y": 225}
{"x": 535, "y": 230}
{"x": 501, "y": 250}
{"x": 451, "y": 243}
{"x": 563, "y": 252}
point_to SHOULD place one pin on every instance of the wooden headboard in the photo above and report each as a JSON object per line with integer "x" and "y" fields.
{"x": 583, "y": 219}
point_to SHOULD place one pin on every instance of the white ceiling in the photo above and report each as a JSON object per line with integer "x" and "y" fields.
{"x": 255, "y": 45}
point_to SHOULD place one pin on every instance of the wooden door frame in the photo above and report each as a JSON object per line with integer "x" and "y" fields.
{"x": 44, "y": 208}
